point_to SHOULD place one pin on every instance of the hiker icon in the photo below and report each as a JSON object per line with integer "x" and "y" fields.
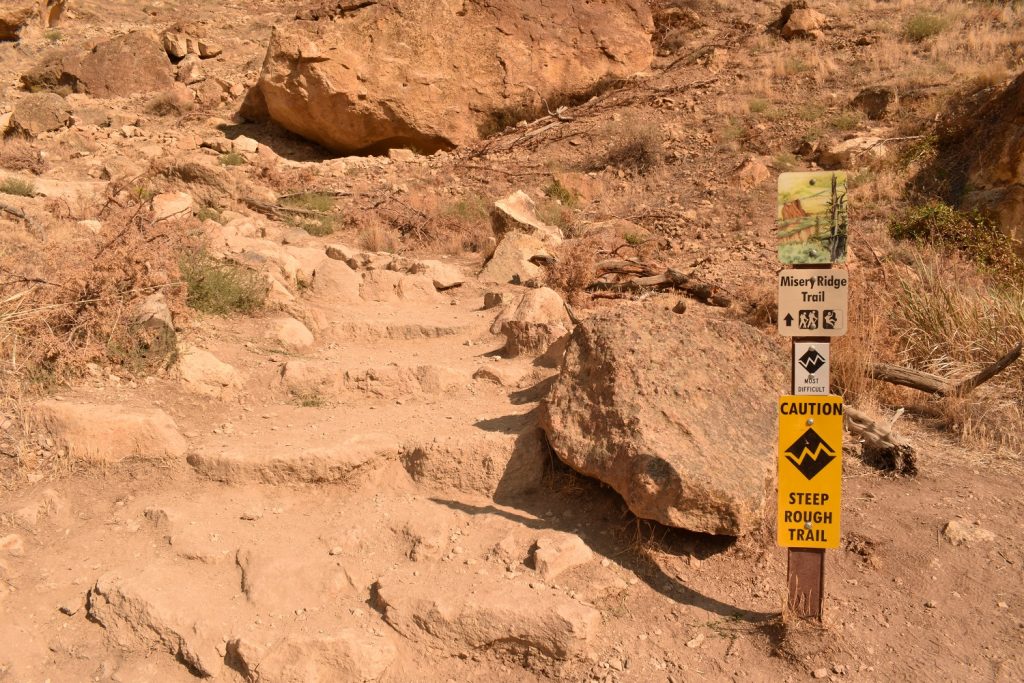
{"x": 808, "y": 319}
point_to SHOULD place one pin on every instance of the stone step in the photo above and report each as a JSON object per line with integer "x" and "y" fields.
{"x": 314, "y": 380}
{"x": 274, "y": 463}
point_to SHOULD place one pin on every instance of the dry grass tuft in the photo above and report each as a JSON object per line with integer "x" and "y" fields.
{"x": 17, "y": 187}
{"x": 374, "y": 235}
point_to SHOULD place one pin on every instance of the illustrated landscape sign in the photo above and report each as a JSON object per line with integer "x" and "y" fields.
{"x": 810, "y": 470}
{"x": 811, "y": 217}
{"x": 811, "y": 368}
{"x": 813, "y": 302}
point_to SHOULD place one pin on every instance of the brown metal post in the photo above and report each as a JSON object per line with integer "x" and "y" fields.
{"x": 805, "y": 567}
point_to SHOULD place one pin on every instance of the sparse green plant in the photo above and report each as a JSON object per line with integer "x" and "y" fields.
{"x": 759, "y": 106}
{"x": 232, "y": 159}
{"x": 17, "y": 186}
{"x": 142, "y": 193}
{"x": 471, "y": 207}
{"x": 633, "y": 239}
{"x": 556, "y": 214}
{"x": 322, "y": 203}
{"x": 53, "y": 35}
{"x": 560, "y": 193}
{"x": 971, "y": 234}
{"x": 924, "y": 25}
{"x": 208, "y": 213}
{"x": 846, "y": 120}
{"x": 310, "y": 400}
{"x": 221, "y": 287}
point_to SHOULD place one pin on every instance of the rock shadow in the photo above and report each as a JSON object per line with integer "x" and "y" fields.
{"x": 599, "y": 516}
{"x": 281, "y": 141}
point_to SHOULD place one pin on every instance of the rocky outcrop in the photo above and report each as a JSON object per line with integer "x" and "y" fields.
{"x": 993, "y": 145}
{"x": 428, "y": 74}
{"x": 14, "y": 18}
{"x": 676, "y": 413}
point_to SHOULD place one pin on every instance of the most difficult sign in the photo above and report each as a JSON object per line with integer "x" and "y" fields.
{"x": 810, "y": 471}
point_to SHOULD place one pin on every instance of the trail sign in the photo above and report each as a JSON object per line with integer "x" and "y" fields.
{"x": 811, "y": 368}
{"x": 810, "y": 466}
{"x": 811, "y": 217}
{"x": 813, "y": 302}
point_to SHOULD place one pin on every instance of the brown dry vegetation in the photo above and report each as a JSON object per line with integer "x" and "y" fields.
{"x": 58, "y": 315}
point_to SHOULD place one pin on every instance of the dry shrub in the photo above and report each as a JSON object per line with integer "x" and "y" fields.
{"x": 937, "y": 313}
{"x": 18, "y": 154}
{"x": 426, "y": 225}
{"x": 374, "y": 235}
{"x": 170, "y": 103}
{"x": 66, "y": 304}
{"x": 637, "y": 148}
{"x": 573, "y": 270}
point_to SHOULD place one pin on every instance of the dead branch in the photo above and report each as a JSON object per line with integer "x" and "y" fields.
{"x": 274, "y": 210}
{"x": 16, "y": 212}
{"x": 639, "y": 280}
{"x": 940, "y": 386}
{"x": 881, "y": 446}
{"x": 907, "y": 377}
{"x": 332, "y": 193}
{"x": 969, "y": 385}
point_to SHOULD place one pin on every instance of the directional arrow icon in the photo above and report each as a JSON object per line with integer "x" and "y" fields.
{"x": 789, "y": 319}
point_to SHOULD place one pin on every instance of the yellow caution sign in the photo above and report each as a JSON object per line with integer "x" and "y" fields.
{"x": 810, "y": 471}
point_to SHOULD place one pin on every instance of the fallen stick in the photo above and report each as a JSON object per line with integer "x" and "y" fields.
{"x": 939, "y": 386}
{"x": 881, "y": 446}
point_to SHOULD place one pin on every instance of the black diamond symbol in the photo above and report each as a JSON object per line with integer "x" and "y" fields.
{"x": 811, "y": 361}
{"x": 810, "y": 454}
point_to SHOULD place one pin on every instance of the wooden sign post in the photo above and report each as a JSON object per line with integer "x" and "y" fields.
{"x": 813, "y": 308}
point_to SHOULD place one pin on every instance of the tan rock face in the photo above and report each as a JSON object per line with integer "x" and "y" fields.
{"x": 110, "y": 433}
{"x": 448, "y": 67}
{"x": 518, "y": 213}
{"x": 14, "y": 18}
{"x": 673, "y": 412}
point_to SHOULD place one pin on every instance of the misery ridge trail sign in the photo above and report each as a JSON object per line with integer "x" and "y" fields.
{"x": 811, "y": 214}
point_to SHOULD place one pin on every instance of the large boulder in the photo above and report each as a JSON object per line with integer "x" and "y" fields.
{"x": 429, "y": 74}
{"x": 676, "y": 413}
{"x": 40, "y": 113}
{"x": 132, "y": 63}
